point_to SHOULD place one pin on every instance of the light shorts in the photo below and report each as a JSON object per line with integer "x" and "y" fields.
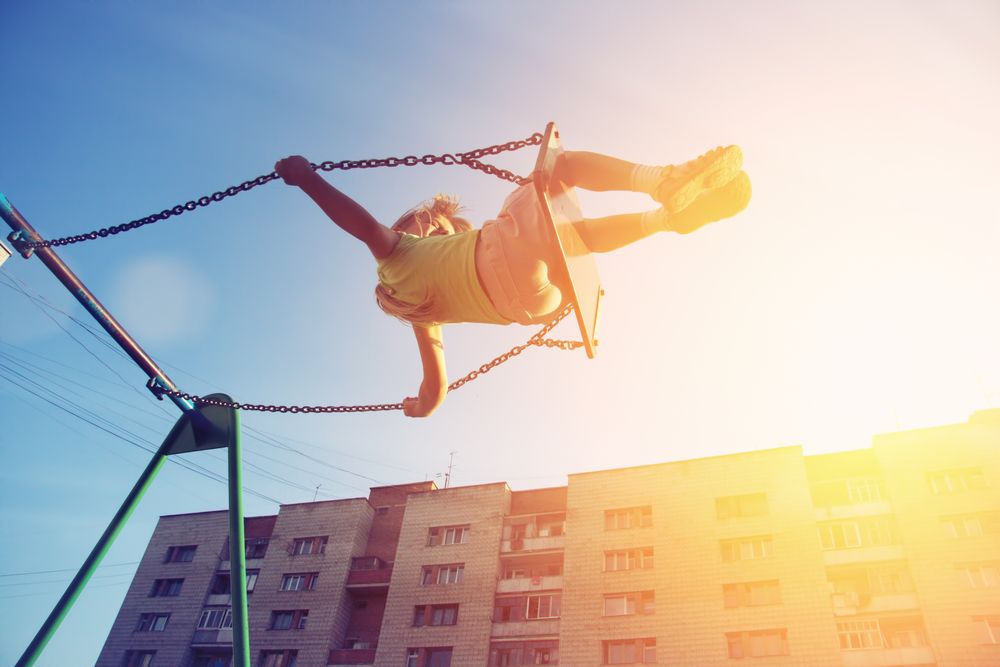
{"x": 514, "y": 254}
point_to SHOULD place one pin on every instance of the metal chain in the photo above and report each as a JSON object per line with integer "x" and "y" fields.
{"x": 469, "y": 159}
{"x": 537, "y": 340}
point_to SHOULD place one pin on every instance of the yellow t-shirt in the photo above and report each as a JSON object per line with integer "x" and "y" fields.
{"x": 440, "y": 270}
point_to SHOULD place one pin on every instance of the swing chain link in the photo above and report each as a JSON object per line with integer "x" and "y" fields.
{"x": 537, "y": 340}
{"x": 469, "y": 159}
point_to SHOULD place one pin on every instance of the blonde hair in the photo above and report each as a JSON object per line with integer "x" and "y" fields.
{"x": 444, "y": 206}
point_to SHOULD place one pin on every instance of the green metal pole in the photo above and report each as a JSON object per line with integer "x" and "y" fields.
{"x": 90, "y": 565}
{"x": 237, "y": 552}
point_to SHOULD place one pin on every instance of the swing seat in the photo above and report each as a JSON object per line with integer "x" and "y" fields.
{"x": 576, "y": 272}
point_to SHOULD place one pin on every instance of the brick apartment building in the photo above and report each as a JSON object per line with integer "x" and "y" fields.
{"x": 886, "y": 556}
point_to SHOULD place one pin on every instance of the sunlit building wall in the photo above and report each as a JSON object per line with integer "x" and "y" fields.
{"x": 886, "y": 556}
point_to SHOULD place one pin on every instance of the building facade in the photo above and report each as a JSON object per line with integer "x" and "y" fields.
{"x": 888, "y": 556}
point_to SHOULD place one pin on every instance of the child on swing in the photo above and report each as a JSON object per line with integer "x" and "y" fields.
{"x": 434, "y": 268}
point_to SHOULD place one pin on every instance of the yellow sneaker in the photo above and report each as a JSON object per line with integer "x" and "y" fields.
{"x": 683, "y": 184}
{"x": 713, "y": 205}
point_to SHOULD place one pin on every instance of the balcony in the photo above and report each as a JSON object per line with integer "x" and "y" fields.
{"x": 529, "y": 544}
{"x": 853, "y": 555}
{"x": 884, "y": 657}
{"x": 212, "y": 637}
{"x": 850, "y": 604}
{"x": 871, "y": 508}
{"x": 527, "y": 584}
{"x": 534, "y": 628}
{"x": 368, "y": 572}
{"x": 351, "y": 656}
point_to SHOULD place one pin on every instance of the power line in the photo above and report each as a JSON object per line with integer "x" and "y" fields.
{"x": 65, "y": 569}
{"x": 36, "y": 300}
{"x": 262, "y": 437}
{"x": 200, "y": 470}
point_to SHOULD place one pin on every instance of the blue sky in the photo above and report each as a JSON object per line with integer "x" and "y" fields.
{"x": 853, "y": 297}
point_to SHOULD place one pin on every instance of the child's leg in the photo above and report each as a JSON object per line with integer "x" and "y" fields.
{"x": 673, "y": 186}
{"x": 616, "y": 231}
{"x": 593, "y": 171}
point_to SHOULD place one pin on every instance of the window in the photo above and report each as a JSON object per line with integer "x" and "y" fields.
{"x": 850, "y": 491}
{"x": 960, "y": 526}
{"x": 628, "y": 651}
{"x": 184, "y": 554}
{"x": 447, "y": 535}
{"x": 746, "y": 505}
{"x": 527, "y": 607}
{"x": 437, "y": 657}
{"x": 532, "y": 652}
{"x": 211, "y": 658}
{"x": 166, "y": 588}
{"x": 431, "y": 575}
{"x": 750, "y": 594}
{"x": 215, "y": 618}
{"x": 503, "y": 657}
{"x": 221, "y": 586}
{"x": 628, "y": 559}
{"x": 152, "y": 622}
{"x": 625, "y": 604}
{"x": 955, "y": 481}
{"x": 859, "y": 635}
{"x": 890, "y": 579}
{"x": 543, "y": 606}
{"x": 757, "y": 643}
{"x": 304, "y": 581}
{"x": 747, "y": 548}
{"x": 291, "y": 619}
{"x": 630, "y": 517}
{"x": 888, "y": 632}
{"x": 438, "y": 614}
{"x": 533, "y": 570}
{"x": 543, "y": 656}
{"x": 987, "y": 629}
{"x": 256, "y": 547}
{"x": 431, "y": 657}
{"x": 308, "y": 546}
{"x": 979, "y": 575}
{"x": 864, "y": 490}
{"x": 867, "y": 532}
{"x": 138, "y": 658}
{"x": 278, "y": 659}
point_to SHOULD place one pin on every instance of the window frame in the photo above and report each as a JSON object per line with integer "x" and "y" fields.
{"x": 308, "y": 582}
{"x": 733, "y": 551}
{"x": 297, "y": 619}
{"x": 176, "y": 553}
{"x": 741, "y": 506}
{"x": 168, "y": 587}
{"x": 628, "y": 518}
{"x": 148, "y": 622}
{"x": 316, "y": 545}
{"x": 439, "y": 536}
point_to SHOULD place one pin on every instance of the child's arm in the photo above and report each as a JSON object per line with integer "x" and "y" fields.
{"x": 434, "y": 388}
{"x": 344, "y": 211}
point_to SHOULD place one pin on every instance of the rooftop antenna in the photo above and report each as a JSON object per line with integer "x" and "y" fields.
{"x": 316, "y": 492}
{"x": 447, "y": 475}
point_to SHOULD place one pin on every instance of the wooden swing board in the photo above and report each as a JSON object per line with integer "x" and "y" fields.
{"x": 577, "y": 267}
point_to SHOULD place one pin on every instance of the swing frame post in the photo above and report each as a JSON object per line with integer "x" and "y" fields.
{"x": 23, "y": 233}
{"x": 237, "y": 551}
